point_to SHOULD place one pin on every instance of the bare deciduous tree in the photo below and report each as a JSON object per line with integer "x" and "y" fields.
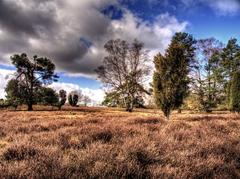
{"x": 125, "y": 69}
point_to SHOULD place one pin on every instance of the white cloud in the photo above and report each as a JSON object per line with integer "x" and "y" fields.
{"x": 221, "y": 7}
{"x": 5, "y": 75}
{"x": 226, "y": 7}
{"x": 57, "y": 34}
{"x": 63, "y": 23}
{"x": 96, "y": 95}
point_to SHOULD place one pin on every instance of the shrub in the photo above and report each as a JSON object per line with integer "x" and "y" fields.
{"x": 104, "y": 136}
{"x": 19, "y": 153}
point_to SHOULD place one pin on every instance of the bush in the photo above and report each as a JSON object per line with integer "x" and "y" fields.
{"x": 19, "y": 153}
{"x": 48, "y": 96}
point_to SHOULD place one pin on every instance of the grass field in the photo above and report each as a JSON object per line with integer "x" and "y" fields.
{"x": 110, "y": 143}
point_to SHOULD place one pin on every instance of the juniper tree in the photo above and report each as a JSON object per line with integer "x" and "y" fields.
{"x": 74, "y": 97}
{"x": 170, "y": 79}
{"x": 235, "y": 93}
{"x": 62, "y": 98}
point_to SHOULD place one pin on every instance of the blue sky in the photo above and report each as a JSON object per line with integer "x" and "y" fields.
{"x": 73, "y": 32}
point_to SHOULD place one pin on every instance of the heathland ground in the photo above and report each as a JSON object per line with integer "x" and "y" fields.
{"x": 111, "y": 143}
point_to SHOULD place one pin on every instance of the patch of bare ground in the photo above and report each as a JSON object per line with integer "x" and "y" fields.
{"x": 111, "y": 143}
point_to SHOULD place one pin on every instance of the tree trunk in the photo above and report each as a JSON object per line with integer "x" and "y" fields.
{"x": 179, "y": 110}
{"x": 129, "y": 107}
{"x": 30, "y": 107}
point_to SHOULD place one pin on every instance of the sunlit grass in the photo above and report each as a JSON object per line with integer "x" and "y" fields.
{"x": 111, "y": 143}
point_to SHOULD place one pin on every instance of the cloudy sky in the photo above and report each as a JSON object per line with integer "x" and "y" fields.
{"x": 72, "y": 32}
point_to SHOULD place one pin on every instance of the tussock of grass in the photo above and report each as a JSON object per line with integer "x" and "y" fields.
{"x": 19, "y": 153}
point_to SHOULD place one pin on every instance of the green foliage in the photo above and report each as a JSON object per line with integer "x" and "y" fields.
{"x": 73, "y": 99}
{"x": 62, "y": 98}
{"x": 230, "y": 63}
{"x": 31, "y": 74}
{"x": 48, "y": 96}
{"x": 207, "y": 79}
{"x": 170, "y": 80}
{"x": 15, "y": 93}
{"x": 235, "y": 93}
{"x": 113, "y": 99}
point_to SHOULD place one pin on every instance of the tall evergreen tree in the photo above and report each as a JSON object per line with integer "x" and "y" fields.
{"x": 230, "y": 63}
{"x": 235, "y": 93}
{"x": 170, "y": 80}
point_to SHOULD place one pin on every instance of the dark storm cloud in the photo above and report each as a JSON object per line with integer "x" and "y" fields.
{"x": 18, "y": 19}
{"x": 73, "y": 32}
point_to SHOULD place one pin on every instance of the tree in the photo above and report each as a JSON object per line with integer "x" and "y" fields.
{"x": 74, "y": 97}
{"x": 124, "y": 70}
{"x": 31, "y": 74}
{"x": 48, "y": 96}
{"x": 113, "y": 99}
{"x": 62, "y": 98}
{"x": 139, "y": 102}
{"x": 86, "y": 100}
{"x": 230, "y": 63}
{"x": 15, "y": 93}
{"x": 207, "y": 81}
{"x": 235, "y": 93}
{"x": 170, "y": 79}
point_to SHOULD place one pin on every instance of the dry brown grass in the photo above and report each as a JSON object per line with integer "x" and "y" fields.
{"x": 110, "y": 143}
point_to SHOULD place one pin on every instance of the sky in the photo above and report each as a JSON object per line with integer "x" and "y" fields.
{"x": 73, "y": 32}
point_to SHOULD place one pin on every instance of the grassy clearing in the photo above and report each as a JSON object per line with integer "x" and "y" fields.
{"x": 110, "y": 143}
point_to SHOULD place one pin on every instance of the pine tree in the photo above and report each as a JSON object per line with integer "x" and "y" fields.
{"x": 230, "y": 63}
{"x": 235, "y": 93}
{"x": 31, "y": 74}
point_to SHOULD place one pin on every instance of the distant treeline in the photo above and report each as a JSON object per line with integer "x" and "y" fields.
{"x": 193, "y": 74}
